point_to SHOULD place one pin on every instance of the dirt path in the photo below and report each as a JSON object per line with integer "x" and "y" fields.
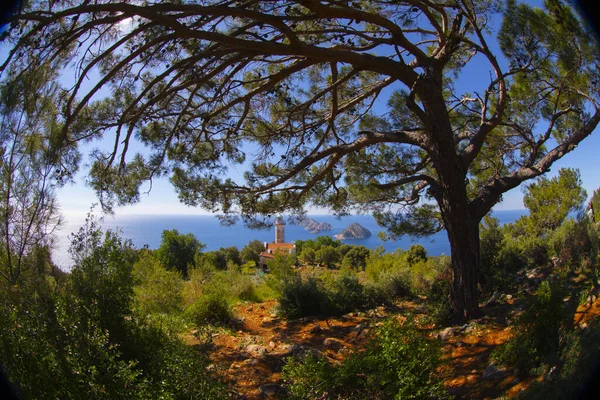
{"x": 253, "y": 355}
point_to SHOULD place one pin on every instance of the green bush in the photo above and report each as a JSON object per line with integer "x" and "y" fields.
{"x": 329, "y": 294}
{"x": 177, "y": 250}
{"x": 538, "y": 333}
{"x": 102, "y": 275}
{"x": 300, "y": 297}
{"x": 398, "y": 363}
{"x": 157, "y": 290}
{"x": 577, "y": 366}
{"x": 575, "y": 245}
{"x": 52, "y": 346}
{"x": 438, "y": 304}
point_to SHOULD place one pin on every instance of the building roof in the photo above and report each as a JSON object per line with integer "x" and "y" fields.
{"x": 280, "y": 246}
{"x": 279, "y": 220}
{"x": 266, "y": 255}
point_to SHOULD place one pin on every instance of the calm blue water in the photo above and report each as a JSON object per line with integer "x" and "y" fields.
{"x": 146, "y": 230}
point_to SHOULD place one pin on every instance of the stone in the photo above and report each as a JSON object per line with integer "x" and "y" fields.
{"x": 446, "y": 334}
{"x": 358, "y": 328}
{"x": 256, "y": 350}
{"x": 251, "y": 361}
{"x": 286, "y": 349}
{"x": 364, "y": 332}
{"x": 314, "y": 226}
{"x": 270, "y": 389}
{"x": 353, "y": 231}
{"x": 492, "y": 300}
{"x": 316, "y": 329}
{"x": 493, "y": 372}
{"x": 332, "y": 343}
{"x": 344, "y": 352}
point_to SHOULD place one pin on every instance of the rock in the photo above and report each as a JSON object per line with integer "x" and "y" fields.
{"x": 344, "y": 352}
{"x": 316, "y": 329}
{"x": 360, "y": 327}
{"x": 256, "y": 350}
{"x": 266, "y": 321}
{"x": 314, "y": 226}
{"x": 353, "y": 231}
{"x": 467, "y": 328}
{"x": 286, "y": 349}
{"x": 270, "y": 389}
{"x": 492, "y": 299}
{"x": 364, "y": 332}
{"x": 492, "y": 372}
{"x": 333, "y": 343}
{"x": 251, "y": 361}
{"x": 446, "y": 334}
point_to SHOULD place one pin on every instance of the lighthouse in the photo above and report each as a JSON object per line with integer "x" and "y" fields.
{"x": 279, "y": 229}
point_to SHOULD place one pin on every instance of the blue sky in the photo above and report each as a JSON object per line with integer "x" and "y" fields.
{"x": 75, "y": 200}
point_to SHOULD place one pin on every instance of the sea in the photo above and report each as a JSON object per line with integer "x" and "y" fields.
{"x": 146, "y": 230}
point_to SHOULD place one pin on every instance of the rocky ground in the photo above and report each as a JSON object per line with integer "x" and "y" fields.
{"x": 252, "y": 355}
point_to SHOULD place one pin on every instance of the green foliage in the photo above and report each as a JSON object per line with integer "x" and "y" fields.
{"x": 54, "y": 346}
{"x": 538, "y": 331}
{"x": 549, "y": 201}
{"x": 34, "y": 162}
{"x": 398, "y": 363}
{"x": 79, "y": 337}
{"x": 102, "y": 274}
{"x": 577, "y": 370}
{"x": 356, "y": 258}
{"x": 575, "y": 244}
{"x": 595, "y": 204}
{"x": 177, "y": 251}
{"x": 300, "y": 297}
{"x": 328, "y": 256}
{"x": 251, "y": 252}
{"x": 416, "y": 253}
{"x": 157, "y": 290}
{"x": 324, "y": 295}
{"x": 490, "y": 243}
{"x": 211, "y": 308}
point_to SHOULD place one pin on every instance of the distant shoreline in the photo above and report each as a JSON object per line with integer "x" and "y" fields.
{"x": 146, "y": 229}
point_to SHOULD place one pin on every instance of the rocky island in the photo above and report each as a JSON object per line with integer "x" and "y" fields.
{"x": 314, "y": 226}
{"x": 353, "y": 231}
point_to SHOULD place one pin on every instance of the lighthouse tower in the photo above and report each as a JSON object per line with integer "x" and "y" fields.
{"x": 279, "y": 229}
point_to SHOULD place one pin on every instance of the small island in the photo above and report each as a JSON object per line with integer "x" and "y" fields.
{"x": 314, "y": 226}
{"x": 353, "y": 231}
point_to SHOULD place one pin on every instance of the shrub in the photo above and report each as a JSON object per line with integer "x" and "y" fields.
{"x": 438, "y": 304}
{"x": 53, "y": 346}
{"x": 416, "y": 253}
{"x": 177, "y": 250}
{"x": 346, "y": 294}
{"x": 157, "y": 290}
{"x": 102, "y": 275}
{"x": 573, "y": 243}
{"x": 538, "y": 331}
{"x": 398, "y": 363}
{"x": 211, "y": 308}
{"x": 356, "y": 257}
{"x": 300, "y": 297}
{"x": 578, "y": 369}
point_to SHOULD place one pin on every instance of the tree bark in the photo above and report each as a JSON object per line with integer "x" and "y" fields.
{"x": 463, "y": 235}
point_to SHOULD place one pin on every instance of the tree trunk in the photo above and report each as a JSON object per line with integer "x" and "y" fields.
{"x": 463, "y": 234}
